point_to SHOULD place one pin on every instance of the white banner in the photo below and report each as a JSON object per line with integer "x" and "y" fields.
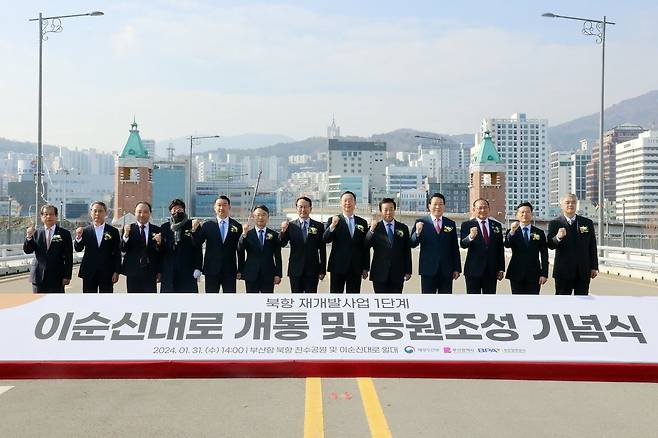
{"x": 200, "y": 327}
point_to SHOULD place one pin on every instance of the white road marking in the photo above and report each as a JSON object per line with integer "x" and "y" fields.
{"x": 4, "y": 389}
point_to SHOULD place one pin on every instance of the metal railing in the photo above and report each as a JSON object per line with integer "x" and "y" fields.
{"x": 13, "y": 260}
{"x": 631, "y": 258}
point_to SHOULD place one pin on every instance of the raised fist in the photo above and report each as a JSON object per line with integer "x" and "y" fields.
{"x": 334, "y": 221}
{"x": 373, "y": 223}
{"x": 245, "y": 228}
{"x": 126, "y": 230}
{"x": 419, "y": 227}
{"x": 473, "y": 233}
{"x": 29, "y": 232}
{"x": 514, "y": 227}
{"x": 195, "y": 224}
{"x": 158, "y": 238}
{"x": 561, "y": 233}
{"x": 78, "y": 233}
{"x": 284, "y": 226}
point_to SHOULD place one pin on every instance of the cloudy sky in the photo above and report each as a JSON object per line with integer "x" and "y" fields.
{"x": 234, "y": 67}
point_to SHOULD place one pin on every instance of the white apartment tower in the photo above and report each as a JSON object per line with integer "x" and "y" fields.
{"x": 358, "y": 166}
{"x": 637, "y": 178}
{"x": 523, "y": 147}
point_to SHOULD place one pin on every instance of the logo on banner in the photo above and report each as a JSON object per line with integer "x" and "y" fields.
{"x": 409, "y": 349}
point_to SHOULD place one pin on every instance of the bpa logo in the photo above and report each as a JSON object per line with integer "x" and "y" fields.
{"x": 409, "y": 349}
{"x": 447, "y": 349}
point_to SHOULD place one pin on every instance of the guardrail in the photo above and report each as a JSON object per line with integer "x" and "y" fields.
{"x": 630, "y": 258}
{"x": 14, "y": 261}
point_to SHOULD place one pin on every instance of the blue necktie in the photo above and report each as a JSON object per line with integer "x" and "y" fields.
{"x": 222, "y": 230}
{"x": 389, "y": 231}
{"x": 526, "y": 236}
{"x": 261, "y": 237}
{"x": 351, "y": 226}
{"x": 305, "y": 231}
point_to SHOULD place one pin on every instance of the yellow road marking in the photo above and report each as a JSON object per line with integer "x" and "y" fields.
{"x": 374, "y": 412}
{"x": 313, "y": 418}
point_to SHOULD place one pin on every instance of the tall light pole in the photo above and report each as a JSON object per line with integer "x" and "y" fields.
{"x": 440, "y": 141}
{"x": 47, "y": 25}
{"x": 595, "y": 28}
{"x": 192, "y": 140}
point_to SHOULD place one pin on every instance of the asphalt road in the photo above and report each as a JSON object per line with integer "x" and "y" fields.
{"x": 602, "y": 285}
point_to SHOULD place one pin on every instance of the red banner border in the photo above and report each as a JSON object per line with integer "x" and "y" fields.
{"x": 565, "y": 371}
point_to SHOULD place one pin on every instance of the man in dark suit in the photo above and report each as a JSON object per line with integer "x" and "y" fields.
{"x": 101, "y": 262}
{"x": 53, "y": 250}
{"x": 573, "y": 239}
{"x": 349, "y": 260}
{"x": 262, "y": 268}
{"x": 141, "y": 247}
{"x": 440, "y": 261}
{"x": 182, "y": 261}
{"x": 308, "y": 253}
{"x": 221, "y": 235}
{"x": 528, "y": 268}
{"x": 485, "y": 259}
{"x": 391, "y": 260}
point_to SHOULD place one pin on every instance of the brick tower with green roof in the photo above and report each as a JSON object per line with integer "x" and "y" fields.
{"x": 133, "y": 179}
{"x": 487, "y": 177}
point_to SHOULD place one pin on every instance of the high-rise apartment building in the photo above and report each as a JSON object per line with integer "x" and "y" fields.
{"x": 637, "y": 178}
{"x": 522, "y": 145}
{"x": 611, "y": 139}
{"x": 351, "y": 159}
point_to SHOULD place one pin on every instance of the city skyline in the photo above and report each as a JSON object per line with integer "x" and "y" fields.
{"x": 284, "y": 68}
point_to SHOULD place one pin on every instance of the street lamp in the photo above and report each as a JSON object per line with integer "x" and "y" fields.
{"x": 192, "y": 140}
{"x": 440, "y": 141}
{"x": 47, "y": 25}
{"x": 595, "y": 28}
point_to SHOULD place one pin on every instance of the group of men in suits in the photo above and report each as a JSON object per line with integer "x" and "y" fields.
{"x": 172, "y": 254}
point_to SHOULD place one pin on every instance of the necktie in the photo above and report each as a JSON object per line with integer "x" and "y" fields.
{"x": 437, "y": 226}
{"x": 485, "y": 233}
{"x": 569, "y": 221}
{"x": 48, "y": 238}
{"x": 305, "y": 231}
{"x": 389, "y": 231}
{"x": 526, "y": 234}
{"x": 261, "y": 237}
{"x": 222, "y": 229}
{"x": 351, "y": 225}
{"x": 142, "y": 234}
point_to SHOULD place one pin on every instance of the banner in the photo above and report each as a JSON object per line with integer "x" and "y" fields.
{"x": 327, "y": 328}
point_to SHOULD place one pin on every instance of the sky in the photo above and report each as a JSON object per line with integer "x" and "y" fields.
{"x": 193, "y": 67}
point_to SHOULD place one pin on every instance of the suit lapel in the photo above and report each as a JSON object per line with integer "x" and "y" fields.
{"x": 42, "y": 239}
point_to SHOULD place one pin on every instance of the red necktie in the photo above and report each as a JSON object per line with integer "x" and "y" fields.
{"x": 437, "y": 226}
{"x": 141, "y": 233}
{"x": 485, "y": 233}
